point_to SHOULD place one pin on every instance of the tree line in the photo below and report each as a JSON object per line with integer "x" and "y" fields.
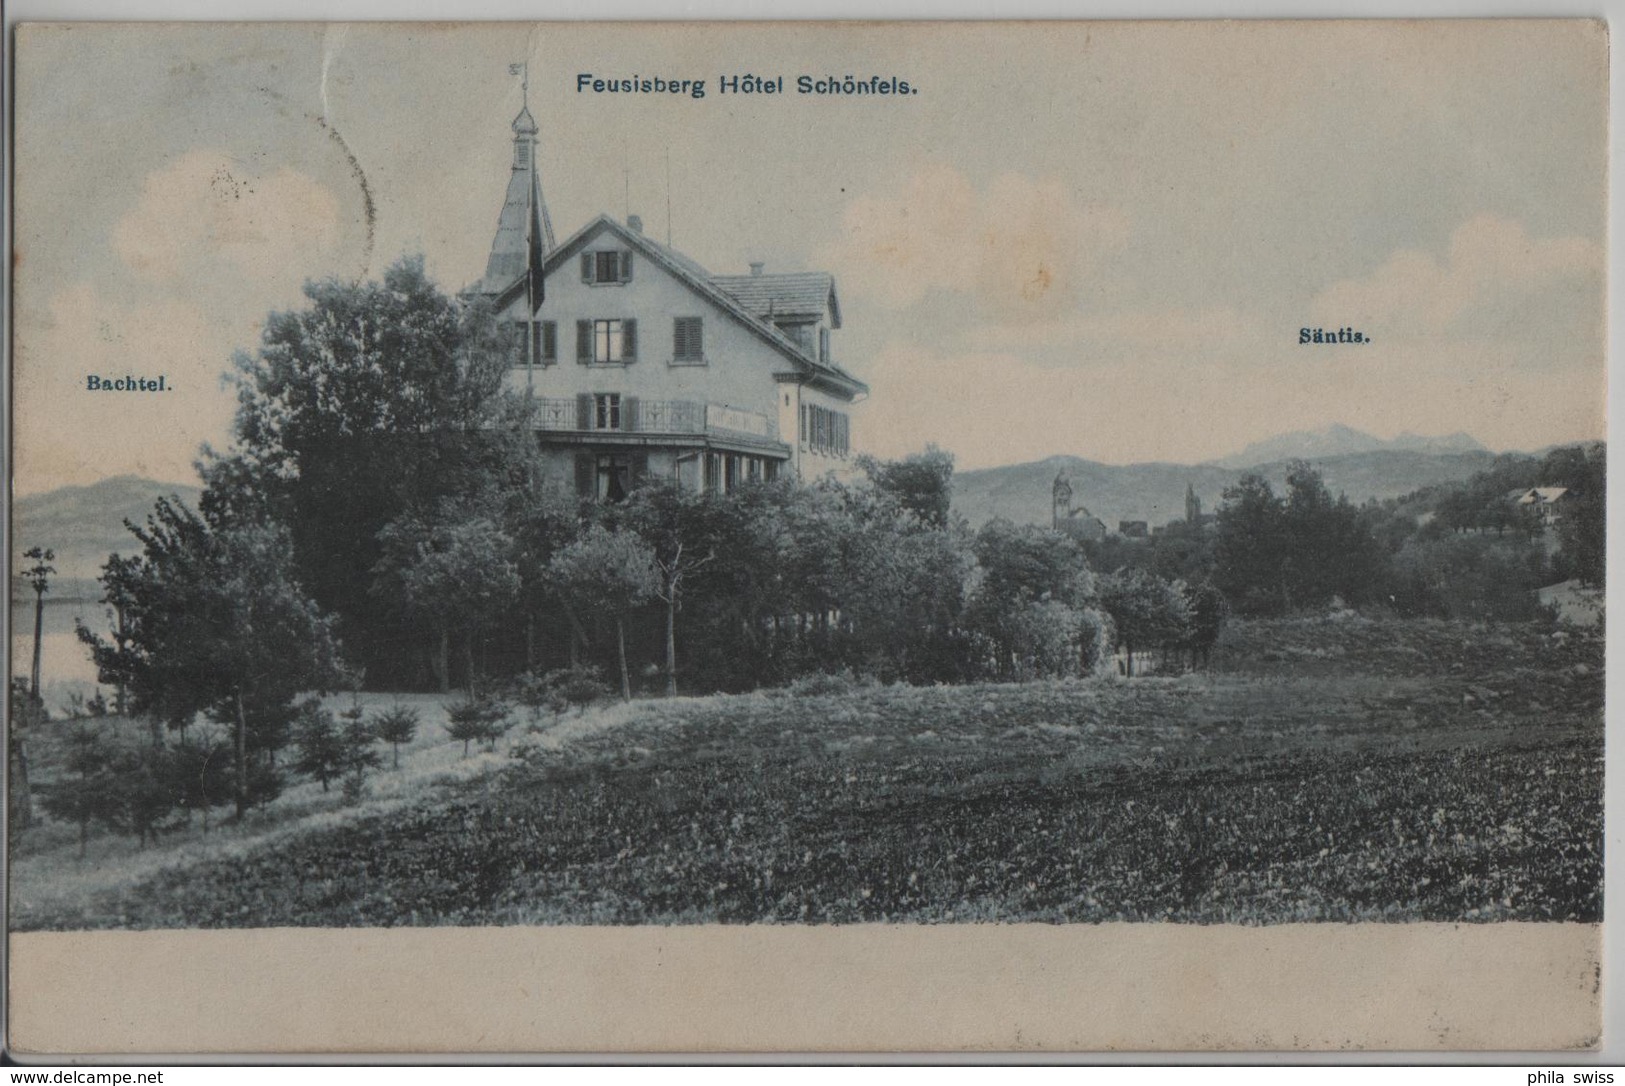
{"x": 1462, "y": 550}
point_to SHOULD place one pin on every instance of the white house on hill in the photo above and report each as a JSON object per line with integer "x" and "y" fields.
{"x": 641, "y": 362}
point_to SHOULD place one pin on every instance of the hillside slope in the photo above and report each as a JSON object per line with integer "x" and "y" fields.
{"x": 84, "y": 524}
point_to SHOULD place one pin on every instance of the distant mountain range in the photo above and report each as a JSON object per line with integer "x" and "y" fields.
{"x": 84, "y": 524}
{"x": 1155, "y": 493}
{"x": 1337, "y": 440}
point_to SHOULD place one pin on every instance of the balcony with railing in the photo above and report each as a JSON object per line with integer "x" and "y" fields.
{"x": 634, "y": 415}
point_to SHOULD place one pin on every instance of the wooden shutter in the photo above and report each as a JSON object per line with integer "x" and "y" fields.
{"x": 583, "y": 342}
{"x": 640, "y": 467}
{"x": 550, "y": 341}
{"x": 626, "y": 266}
{"x": 688, "y": 339}
{"x": 584, "y": 411}
{"x": 629, "y": 414}
{"x": 585, "y": 467}
{"x": 586, "y": 267}
{"x": 629, "y": 341}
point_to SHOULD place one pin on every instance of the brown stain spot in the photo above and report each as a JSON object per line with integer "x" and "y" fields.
{"x": 1036, "y": 287}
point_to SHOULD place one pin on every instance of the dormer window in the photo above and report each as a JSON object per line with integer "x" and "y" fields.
{"x": 798, "y": 333}
{"x": 606, "y": 266}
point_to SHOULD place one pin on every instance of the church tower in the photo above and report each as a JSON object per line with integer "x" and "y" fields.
{"x": 1193, "y": 505}
{"x": 509, "y": 249}
{"x": 1060, "y": 502}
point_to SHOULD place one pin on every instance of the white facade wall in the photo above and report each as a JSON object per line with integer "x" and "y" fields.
{"x": 739, "y": 366}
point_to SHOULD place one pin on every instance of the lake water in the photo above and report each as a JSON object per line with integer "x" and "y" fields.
{"x": 65, "y": 666}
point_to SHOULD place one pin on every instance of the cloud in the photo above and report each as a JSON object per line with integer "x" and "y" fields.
{"x": 66, "y": 434}
{"x": 1021, "y": 249}
{"x": 207, "y": 214}
{"x": 1495, "y": 282}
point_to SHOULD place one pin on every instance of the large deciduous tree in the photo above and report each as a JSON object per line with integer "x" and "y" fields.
{"x": 451, "y": 572}
{"x": 609, "y": 573}
{"x": 922, "y": 483}
{"x": 1582, "y": 529}
{"x": 1021, "y": 571}
{"x": 1274, "y": 554}
{"x": 375, "y": 399}
{"x": 683, "y": 531}
{"x": 1148, "y": 611}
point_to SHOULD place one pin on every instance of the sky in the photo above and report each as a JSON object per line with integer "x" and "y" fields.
{"x": 1091, "y": 239}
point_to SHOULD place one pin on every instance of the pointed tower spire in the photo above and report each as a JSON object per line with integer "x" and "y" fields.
{"x": 511, "y": 249}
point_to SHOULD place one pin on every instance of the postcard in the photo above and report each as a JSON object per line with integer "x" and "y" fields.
{"x": 807, "y": 537}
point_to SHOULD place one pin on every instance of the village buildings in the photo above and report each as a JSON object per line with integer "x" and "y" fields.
{"x": 1077, "y": 522}
{"x": 642, "y": 363}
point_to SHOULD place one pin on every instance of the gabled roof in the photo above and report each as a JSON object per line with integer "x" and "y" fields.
{"x": 785, "y": 294}
{"x": 694, "y": 275}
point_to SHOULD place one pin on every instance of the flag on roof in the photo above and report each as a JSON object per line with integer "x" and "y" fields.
{"x": 535, "y": 246}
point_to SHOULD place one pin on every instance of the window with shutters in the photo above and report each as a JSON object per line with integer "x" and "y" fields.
{"x": 606, "y": 411}
{"x": 688, "y": 341}
{"x": 543, "y": 348}
{"x": 606, "y": 342}
{"x": 825, "y": 431}
{"x": 606, "y": 267}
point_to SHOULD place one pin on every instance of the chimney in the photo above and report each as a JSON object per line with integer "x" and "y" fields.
{"x": 756, "y": 267}
{"x": 634, "y": 223}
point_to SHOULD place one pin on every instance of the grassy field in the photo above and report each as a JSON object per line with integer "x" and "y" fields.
{"x": 1324, "y": 770}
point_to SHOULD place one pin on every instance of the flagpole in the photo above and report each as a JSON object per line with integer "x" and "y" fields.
{"x": 530, "y": 243}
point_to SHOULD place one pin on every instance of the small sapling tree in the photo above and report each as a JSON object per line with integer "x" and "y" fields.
{"x": 483, "y": 718}
{"x": 83, "y": 795}
{"x": 395, "y": 726}
{"x": 321, "y": 748}
{"x": 200, "y": 776}
{"x": 357, "y": 738}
